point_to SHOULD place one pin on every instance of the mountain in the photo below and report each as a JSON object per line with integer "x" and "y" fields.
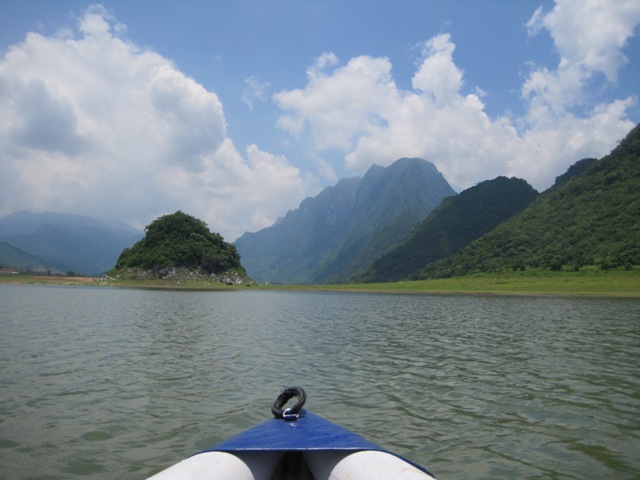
{"x": 388, "y": 204}
{"x": 589, "y": 218}
{"x": 293, "y": 248}
{"x": 337, "y": 234}
{"x": 574, "y": 170}
{"x": 17, "y": 258}
{"x": 65, "y": 242}
{"x": 454, "y": 224}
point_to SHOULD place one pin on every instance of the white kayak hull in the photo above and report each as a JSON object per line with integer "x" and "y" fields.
{"x": 318, "y": 465}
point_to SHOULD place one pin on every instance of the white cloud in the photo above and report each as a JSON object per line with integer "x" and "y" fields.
{"x": 590, "y": 34}
{"x": 324, "y": 61}
{"x": 237, "y": 195}
{"x": 341, "y": 106}
{"x": 438, "y": 75}
{"x": 91, "y": 123}
{"x": 535, "y": 23}
{"x": 254, "y": 91}
{"x": 565, "y": 121}
{"x": 358, "y": 109}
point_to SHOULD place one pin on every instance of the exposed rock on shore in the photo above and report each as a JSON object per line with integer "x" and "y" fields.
{"x": 181, "y": 274}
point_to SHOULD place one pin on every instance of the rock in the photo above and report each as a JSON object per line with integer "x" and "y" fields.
{"x": 180, "y": 274}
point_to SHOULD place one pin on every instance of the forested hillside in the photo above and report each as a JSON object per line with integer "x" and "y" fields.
{"x": 454, "y": 224}
{"x": 180, "y": 240}
{"x": 590, "y": 219}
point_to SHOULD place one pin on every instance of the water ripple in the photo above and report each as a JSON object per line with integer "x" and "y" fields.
{"x": 106, "y": 383}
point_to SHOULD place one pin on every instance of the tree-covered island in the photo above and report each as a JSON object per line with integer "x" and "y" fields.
{"x": 181, "y": 247}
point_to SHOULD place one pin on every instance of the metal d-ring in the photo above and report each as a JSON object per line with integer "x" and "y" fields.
{"x": 288, "y": 415}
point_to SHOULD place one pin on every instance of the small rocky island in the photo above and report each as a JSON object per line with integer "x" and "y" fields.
{"x": 179, "y": 247}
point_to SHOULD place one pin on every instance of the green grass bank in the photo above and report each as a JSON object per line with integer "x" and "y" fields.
{"x": 611, "y": 283}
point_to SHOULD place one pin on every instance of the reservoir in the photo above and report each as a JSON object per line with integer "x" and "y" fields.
{"x": 103, "y": 383}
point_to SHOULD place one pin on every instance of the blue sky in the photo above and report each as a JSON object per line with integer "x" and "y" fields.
{"x": 235, "y": 111}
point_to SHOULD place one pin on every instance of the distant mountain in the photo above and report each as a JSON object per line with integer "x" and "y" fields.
{"x": 337, "y": 234}
{"x": 65, "y": 242}
{"x": 454, "y": 224}
{"x": 589, "y": 218}
{"x": 388, "y": 204}
{"x": 291, "y": 250}
{"x": 15, "y": 257}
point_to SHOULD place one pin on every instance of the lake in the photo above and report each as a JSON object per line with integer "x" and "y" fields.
{"x": 103, "y": 383}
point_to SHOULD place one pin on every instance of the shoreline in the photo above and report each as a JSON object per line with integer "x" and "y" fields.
{"x": 611, "y": 283}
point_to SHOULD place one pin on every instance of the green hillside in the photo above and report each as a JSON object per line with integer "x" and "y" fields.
{"x": 180, "y": 240}
{"x": 589, "y": 219}
{"x": 454, "y": 224}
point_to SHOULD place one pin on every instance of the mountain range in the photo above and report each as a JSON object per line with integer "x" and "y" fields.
{"x": 456, "y": 222}
{"x": 336, "y": 235}
{"x": 589, "y": 218}
{"x": 360, "y": 231}
{"x": 402, "y": 221}
{"x": 63, "y": 243}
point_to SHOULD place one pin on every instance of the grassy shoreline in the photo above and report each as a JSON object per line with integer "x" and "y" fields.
{"x": 610, "y": 283}
{"x": 601, "y": 283}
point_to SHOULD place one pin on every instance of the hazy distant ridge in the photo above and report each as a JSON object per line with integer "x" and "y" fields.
{"x": 341, "y": 231}
{"x": 65, "y": 242}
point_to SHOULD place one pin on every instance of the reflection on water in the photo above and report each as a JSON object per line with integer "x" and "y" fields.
{"x": 109, "y": 383}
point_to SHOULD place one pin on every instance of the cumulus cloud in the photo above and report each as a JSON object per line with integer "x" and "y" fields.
{"x": 438, "y": 75}
{"x": 341, "y": 105}
{"x": 589, "y": 35}
{"x": 358, "y": 109}
{"x": 92, "y": 123}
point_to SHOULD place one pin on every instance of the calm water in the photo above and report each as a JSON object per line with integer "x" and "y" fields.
{"x": 107, "y": 383}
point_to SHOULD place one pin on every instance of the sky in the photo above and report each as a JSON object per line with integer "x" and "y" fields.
{"x": 235, "y": 111}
